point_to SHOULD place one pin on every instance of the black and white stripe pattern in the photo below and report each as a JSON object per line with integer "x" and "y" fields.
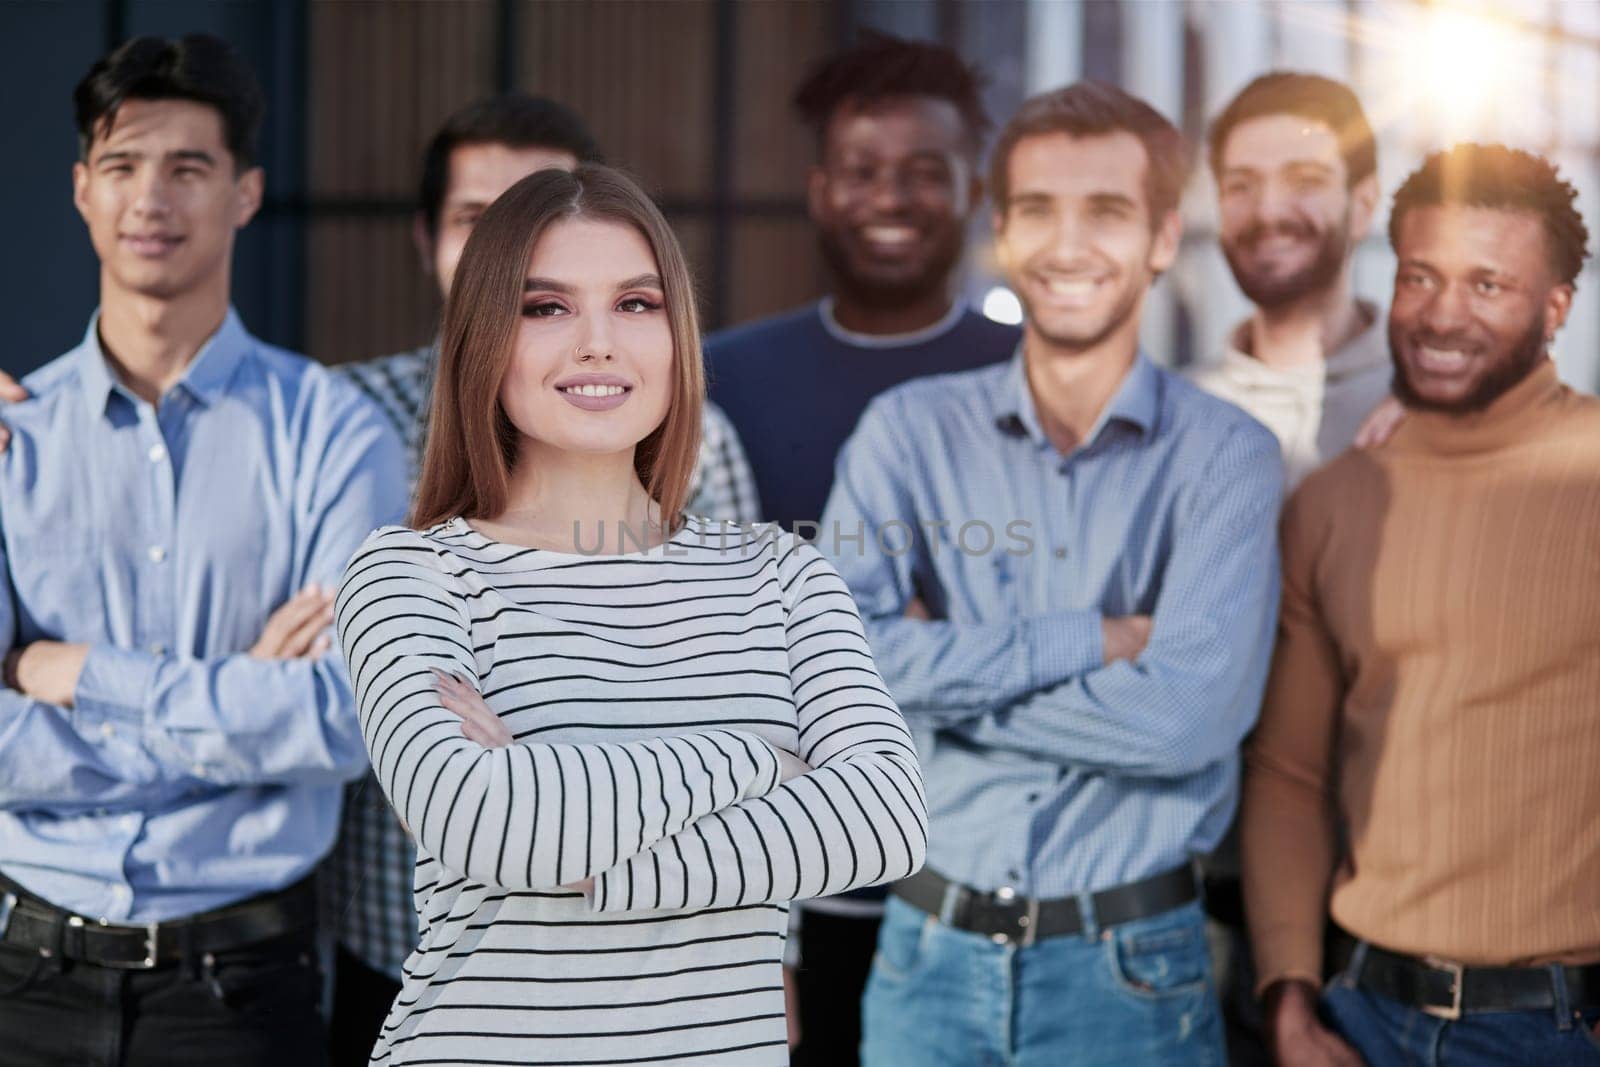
{"x": 647, "y": 694}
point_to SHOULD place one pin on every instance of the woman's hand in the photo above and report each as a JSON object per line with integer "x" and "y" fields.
{"x": 478, "y": 722}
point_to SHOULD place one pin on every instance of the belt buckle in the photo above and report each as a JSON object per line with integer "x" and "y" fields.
{"x": 1027, "y": 917}
{"x": 151, "y": 930}
{"x": 1455, "y": 970}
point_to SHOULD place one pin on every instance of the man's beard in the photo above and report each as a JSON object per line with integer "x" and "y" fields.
{"x": 1503, "y": 375}
{"x": 1272, "y": 292}
{"x": 890, "y": 293}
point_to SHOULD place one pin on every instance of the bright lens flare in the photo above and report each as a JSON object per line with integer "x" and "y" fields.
{"x": 1461, "y": 66}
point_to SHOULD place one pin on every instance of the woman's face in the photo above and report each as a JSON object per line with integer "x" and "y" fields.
{"x": 592, "y": 366}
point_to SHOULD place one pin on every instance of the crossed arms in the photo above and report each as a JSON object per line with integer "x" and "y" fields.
{"x": 688, "y": 821}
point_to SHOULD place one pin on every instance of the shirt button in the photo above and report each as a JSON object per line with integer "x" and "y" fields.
{"x": 157, "y": 554}
{"x": 120, "y": 892}
{"x": 1061, "y": 553}
{"x": 198, "y": 770}
{"x": 107, "y": 731}
{"x": 157, "y": 453}
{"x": 158, "y": 650}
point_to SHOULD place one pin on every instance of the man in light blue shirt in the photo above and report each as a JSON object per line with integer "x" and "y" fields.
{"x": 177, "y": 502}
{"x": 1068, "y": 569}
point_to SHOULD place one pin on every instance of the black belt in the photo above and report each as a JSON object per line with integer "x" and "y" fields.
{"x": 1008, "y": 918}
{"x": 1449, "y": 990}
{"x": 29, "y": 922}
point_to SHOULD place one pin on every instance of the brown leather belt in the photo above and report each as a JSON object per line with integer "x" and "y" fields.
{"x": 30, "y": 922}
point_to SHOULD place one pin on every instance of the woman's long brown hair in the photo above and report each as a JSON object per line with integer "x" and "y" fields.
{"x": 472, "y": 445}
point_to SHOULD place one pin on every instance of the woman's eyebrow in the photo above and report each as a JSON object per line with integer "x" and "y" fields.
{"x": 640, "y": 281}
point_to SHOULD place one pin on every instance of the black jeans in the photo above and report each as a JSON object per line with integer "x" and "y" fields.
{"x": 361, "y": 1001}
{"x": 835, "y": 959}
{"x": 245, "y": 1007}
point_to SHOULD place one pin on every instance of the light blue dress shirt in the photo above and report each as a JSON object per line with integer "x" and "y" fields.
{"x": 188, "y": 775}
{"x": 1049, "y": 770}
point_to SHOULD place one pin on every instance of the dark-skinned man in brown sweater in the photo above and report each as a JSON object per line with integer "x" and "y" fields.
{"x": 1425, "y": 763}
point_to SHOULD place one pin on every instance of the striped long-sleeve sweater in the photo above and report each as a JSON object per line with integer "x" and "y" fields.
{"x": 647, "y": 694}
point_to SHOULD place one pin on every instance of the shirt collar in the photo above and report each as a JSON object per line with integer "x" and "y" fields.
{"x": 1136, "y": 402}
{"x": 206, "y": 378}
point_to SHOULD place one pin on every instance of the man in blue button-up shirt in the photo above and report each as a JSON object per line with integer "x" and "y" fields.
{"x": 1068, "y": 569}
{"x": 174, "y": 726}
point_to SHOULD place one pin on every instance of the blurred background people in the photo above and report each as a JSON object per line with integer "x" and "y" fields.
{"x": 179, "y": 499}
{"x": 325, "y": 268}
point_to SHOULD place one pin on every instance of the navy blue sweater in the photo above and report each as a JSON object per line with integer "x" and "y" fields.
{"x": 795, "y": 384}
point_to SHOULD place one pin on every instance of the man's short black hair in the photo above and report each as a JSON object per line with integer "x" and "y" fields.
{"x": 195, "y": 67}
{"x": 1306, "y": 96}
{"x": 882, "y": 67}
{"x": 517, "y": 120}
{"x": 1089, "y": 109}
{"x": 1505, "y": 179}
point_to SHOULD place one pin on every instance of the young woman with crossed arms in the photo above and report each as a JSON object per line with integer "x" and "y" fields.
{"x": 624, "y": 738}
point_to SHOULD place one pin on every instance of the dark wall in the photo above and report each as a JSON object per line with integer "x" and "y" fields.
{"x": 47, "y": 273}
{"x": 48, "y": 276}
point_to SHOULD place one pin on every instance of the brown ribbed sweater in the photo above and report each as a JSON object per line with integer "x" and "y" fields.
{"x": 1436, "y": 690}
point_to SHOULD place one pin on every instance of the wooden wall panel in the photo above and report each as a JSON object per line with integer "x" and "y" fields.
{"x": 383, "y": 77}
{"x": 775, "y": 266}
{"x": 641, "y": 72}
{"x": 777, "y": 43}
{"x": 366, "y": 294}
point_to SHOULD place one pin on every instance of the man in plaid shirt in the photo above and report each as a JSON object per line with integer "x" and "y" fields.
{"x": 481, "y": 151}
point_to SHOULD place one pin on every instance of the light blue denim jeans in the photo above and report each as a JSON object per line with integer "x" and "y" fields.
{"x": 1137, "y": 995}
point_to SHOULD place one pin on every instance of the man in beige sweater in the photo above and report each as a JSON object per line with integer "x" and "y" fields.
{"x": 1434, "y": 702}
{"x": 1296, "y": 168}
